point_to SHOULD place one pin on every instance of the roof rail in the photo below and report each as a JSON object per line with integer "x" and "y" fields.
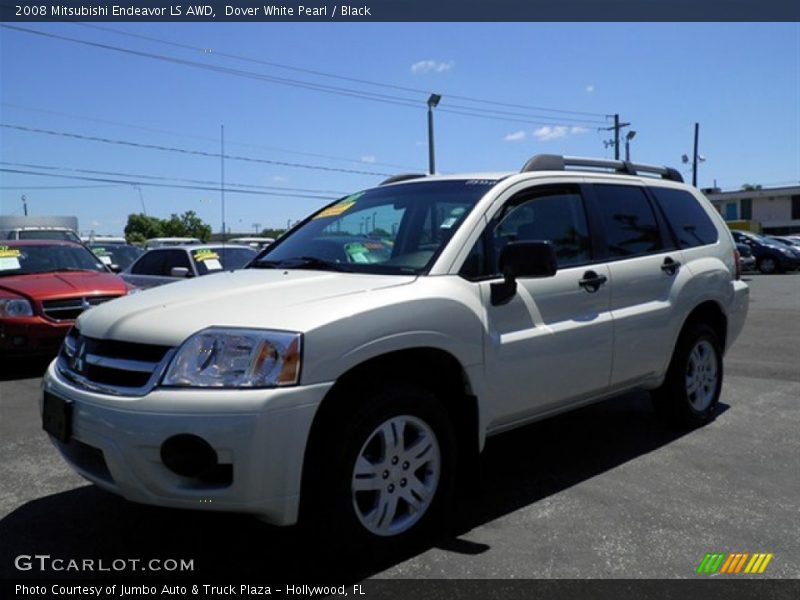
{"x": 557, "y": 162}
{"x": 402, "y": 177}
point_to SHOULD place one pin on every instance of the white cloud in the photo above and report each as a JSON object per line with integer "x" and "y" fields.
{"x": 278, "y": 178}
{"x": 554, "y": 132}
{"x": 517, "y": 136}
{"x": 589, "y": 89}
{"x": 432, "y": 66}
{"x": 368, "y": 158}
{"x": 547, "y": 133}
{"x": 96, "y": 223}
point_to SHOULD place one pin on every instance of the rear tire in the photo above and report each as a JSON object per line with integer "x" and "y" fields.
{"x": 689, "y": 395}
{"x": 381, "y": 472}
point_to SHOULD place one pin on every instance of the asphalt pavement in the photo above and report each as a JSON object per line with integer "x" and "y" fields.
{"x": 603, "y": 492}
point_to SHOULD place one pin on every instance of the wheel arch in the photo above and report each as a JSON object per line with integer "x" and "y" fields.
{"x": 709, "y": 312}
{"x": 432, "y": 369}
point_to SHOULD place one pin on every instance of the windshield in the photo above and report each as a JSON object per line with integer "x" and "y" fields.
{"x": 210, "y": 260}
{"x": 116, "y": 254}
{"x": 21, "y": 260}
{"x": 397, "y": 229}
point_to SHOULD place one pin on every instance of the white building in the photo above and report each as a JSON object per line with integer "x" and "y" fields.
{"x": 777, "y": 209}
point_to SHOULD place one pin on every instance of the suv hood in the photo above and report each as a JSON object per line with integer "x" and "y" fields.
{"x": 293, "y": 300}
{"x": 47, "y": 286}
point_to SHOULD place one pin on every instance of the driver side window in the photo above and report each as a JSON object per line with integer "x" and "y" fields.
{"x": 555, "y": 216}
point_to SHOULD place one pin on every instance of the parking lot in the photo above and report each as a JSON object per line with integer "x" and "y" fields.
{"x": 604, "y": 492}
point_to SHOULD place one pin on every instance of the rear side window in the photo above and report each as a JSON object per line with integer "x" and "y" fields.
{"x": 150, "y": 264}
{"x": 686, "y": 217}
{"x": 628, "y": 219}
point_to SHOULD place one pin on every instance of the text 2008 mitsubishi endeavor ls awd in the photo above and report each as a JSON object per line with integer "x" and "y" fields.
{"x": 344, "y": 375}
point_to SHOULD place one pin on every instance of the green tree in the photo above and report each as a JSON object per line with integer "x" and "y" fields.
{"x": 194, "y": 226}
{"x": 749, "y": 187}
{"x": 143, "y": 227}
{"x": 186, "y": 225}
{"x": 273, "y": 233}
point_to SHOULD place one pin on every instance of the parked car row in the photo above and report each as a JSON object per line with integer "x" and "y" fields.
{"x": 46, "y": 284}
{"x": 771, "y": 255}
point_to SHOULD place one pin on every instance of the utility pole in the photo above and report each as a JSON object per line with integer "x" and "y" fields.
{"x": 222, "y": 175}
{"x": 694, "y": 159}
{"x": 616, "y": 127}
{"x": 25, "y": 205}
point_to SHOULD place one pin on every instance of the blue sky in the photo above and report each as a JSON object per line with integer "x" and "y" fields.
{"x": 741, "y": 82}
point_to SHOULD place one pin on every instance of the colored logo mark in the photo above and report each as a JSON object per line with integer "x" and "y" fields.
{"x": 740, "y": 562}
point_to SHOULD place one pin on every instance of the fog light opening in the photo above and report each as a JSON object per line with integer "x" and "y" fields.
{"x": 188, "y": 455}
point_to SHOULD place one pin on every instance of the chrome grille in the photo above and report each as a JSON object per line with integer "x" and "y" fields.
{"x": 111, "y": 366}
{"x": 70, "y": 308}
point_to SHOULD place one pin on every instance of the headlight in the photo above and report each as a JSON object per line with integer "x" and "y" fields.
{"x": 787, "y": 251}
{"x": 232, "y": 358}
{"x": 15, "y": 307}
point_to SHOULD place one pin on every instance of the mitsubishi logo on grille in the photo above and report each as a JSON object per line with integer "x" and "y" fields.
{"x": 79, "y": 360}
{"x": 85, "y": 304}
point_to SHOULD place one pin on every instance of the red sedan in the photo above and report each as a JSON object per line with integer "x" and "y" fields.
{"x": 44, "y": 286}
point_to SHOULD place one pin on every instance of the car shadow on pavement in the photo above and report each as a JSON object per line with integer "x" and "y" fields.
{"x": 517, "y": 470}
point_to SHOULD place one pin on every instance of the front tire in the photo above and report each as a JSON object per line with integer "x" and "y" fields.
{"x": 379, "y": 475}
{"x": 690, "y": 392}
{"x": 768, "y": 265}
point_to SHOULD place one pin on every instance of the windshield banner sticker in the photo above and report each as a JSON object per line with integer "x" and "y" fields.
{"x": 202, "y": 255}
{"x": 340, "y": 207}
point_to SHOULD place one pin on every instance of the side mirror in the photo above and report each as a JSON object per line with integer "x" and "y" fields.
{"x": 115, "y": 268}
{"x": 522, "y": 259}
{"x": 179, "y": 272}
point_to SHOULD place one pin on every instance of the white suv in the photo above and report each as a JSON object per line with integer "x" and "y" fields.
{"x": 361, "y": 360}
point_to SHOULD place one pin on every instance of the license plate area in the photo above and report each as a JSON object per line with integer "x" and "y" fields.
{"x": 57, "y": 417}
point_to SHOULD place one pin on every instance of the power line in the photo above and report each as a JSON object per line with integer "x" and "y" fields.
{"x": 334, "y": 76}
{"x": 189, "y": 151}
{"x": 58, "y": 187}
{"x": 163, "y": 185}
{"x": 163, "y": 178}
{"x": 202, "y": 138}
{"x": 336, "y": 90}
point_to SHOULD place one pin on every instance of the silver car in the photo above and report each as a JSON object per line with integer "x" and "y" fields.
{"x": 166, "y": 265}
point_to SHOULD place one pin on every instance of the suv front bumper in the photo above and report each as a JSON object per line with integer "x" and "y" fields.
{"x": 116, "y": 443}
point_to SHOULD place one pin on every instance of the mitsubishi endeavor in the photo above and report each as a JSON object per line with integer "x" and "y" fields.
{"x": 360, "y": 362}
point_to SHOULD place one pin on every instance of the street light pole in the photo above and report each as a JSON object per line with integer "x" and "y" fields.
{"x": 628, "y": 137}
{"x": 433, "y": 102}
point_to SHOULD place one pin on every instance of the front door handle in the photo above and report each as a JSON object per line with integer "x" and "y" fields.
{"x": 670, "y": 266}
{"x": 591, "y": 281}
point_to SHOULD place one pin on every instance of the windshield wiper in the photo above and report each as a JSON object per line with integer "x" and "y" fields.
{"x": 301, "y": 262}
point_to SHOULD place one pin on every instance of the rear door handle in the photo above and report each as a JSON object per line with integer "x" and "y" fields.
{"x": 591, "y": 281}
{"x": 670, "y": 267}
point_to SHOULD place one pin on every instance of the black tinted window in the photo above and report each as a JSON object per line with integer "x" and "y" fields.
{"x": 630, "y": 225}
{"x": 556, "y": 216}
{"x": 686, "y": 217}
{"x": 175, "y": 258}
{"x": 151, "y": 263}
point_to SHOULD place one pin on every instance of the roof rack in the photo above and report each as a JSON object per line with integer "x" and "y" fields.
{"x": 557, "y": 162}
{"x": 402, "y": 177}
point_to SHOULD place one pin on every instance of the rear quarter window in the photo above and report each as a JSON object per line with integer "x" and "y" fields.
{"x": 686, "y": 217}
